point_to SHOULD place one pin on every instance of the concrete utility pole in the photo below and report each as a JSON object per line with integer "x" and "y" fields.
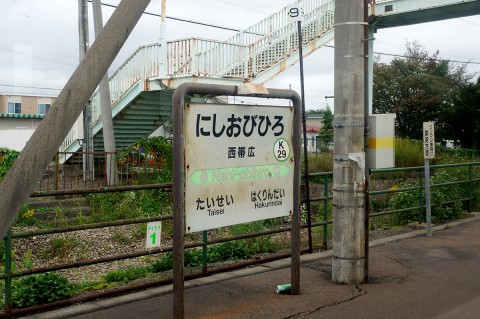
{"x": 84, "y": 44}
{"x": 28, "y": 169}
{"x": 349, "y": 157}
{"x": 106, "y": 108}
{"x": 162, "y": 41}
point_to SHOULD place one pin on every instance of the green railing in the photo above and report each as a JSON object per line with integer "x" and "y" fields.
{"x": 472, "y": 173}
{"x": 467, "y": 180}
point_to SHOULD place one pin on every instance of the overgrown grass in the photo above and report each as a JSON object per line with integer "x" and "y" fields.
{"x": 59, "y": 247}
{"x": 408, "y": 153}
{"x": 131, "y": 204}
{"x": 322, "y": 162}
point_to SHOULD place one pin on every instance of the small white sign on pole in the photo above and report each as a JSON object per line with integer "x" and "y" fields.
{"x": 295, "y": 12}
{"x": 428, "y": 140}
{"x": 154, "y": 233}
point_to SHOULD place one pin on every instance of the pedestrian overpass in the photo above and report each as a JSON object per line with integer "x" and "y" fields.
{"x": 142, "y": 87}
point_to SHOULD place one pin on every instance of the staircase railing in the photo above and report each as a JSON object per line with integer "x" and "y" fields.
{"x": 252, "y": 50}
{"x": 270, "y": 24}
{"x": 279, "y": 44}
{"x": 242, "y": 56}
{"x": 142, "y": 64}
{"x": 210, "y": 58}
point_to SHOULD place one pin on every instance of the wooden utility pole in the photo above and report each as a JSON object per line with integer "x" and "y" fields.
{"x": 349, "y": 157}
{"x": 106, "y": 108}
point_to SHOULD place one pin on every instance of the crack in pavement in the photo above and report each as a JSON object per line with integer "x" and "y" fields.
{"x": 396, "y": 260}
{"x": 357, "y": 291}
{"x": 408, "y": 270}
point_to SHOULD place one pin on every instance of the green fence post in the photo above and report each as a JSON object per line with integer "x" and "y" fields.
{"x": 204, "y": 252}
{"x": 8, "y": 273}
{"x": 470, "y": 186}
{"x": 325, "y": 210}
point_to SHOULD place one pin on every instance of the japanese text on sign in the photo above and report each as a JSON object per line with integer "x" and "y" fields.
{"x": 208, "y": 125}
{"x": 428, "y": 140}
{"x": 154, "y": 231}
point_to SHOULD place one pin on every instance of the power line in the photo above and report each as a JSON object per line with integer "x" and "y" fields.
{"x": 29, "y": 87}
{"x": 9, "y": 7}
{"x": 35, "y": 56}
{"x": 243, "y": 7}
{"x": 409, "y": 57}
{"x": 178, "y": 19}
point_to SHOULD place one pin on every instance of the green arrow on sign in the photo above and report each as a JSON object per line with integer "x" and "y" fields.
{"x": 237, "y": 174}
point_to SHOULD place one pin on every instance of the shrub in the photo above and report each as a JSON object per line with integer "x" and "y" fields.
{"x": 438, "y": 195}
{"x": 40, "y": 289}
{"x": 126, "y": 274}
{"x": 192, "y": 258}
{"x": 7, "y": 157}
{"x": 163, "y": 264}
{"x": 26, "y": 217}
{"x": 231, "y": 250}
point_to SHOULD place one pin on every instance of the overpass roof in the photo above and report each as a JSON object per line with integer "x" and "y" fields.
{"x": 395, "y": 13}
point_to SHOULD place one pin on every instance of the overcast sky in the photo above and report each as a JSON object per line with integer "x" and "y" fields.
{"x": 39, "y": 41}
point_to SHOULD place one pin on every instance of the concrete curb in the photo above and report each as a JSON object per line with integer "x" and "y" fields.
{"x": 90, "y": 307}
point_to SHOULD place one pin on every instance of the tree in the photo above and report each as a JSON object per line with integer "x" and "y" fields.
{"x": 462, "y": 121}
{"x": 326, "y": 133}
{"x": 418, "y": 89}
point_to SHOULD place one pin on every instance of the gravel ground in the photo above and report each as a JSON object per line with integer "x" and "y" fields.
{"x": 56, "y": 249}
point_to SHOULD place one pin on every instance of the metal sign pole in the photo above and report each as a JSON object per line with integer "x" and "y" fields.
{"x": 178, "y": 105}
{"x": 427, "y": 198}
{"x": 295, "y": 14}
{"x": 428, "y": 154}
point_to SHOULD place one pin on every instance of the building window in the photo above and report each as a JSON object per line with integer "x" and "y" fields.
{"x": 14, "y": 107}
{"x": 43, "y": 108}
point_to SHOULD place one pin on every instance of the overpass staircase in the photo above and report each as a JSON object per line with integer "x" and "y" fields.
{"x": 141, "y": 89}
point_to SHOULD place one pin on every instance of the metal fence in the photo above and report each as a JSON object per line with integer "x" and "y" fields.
{"x": 316, "y": 227}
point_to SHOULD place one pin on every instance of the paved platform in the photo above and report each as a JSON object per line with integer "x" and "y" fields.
{"x": 411, "y": 276}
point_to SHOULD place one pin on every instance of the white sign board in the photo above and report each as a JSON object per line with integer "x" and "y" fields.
{"x": 154, "y": 233}
{"x": 295, "y": 12}
{"x": 428, "y": 140}
{"x": 239, "y": 164}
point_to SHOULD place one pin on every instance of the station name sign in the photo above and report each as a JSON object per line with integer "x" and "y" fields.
{"x": 239, "y": 164}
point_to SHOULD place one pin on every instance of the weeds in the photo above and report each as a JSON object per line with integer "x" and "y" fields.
{"x": 120, "y": 238}
{"x": 123, "y": 275}
{"x": 40, "y": 289}
{"x": 59, "y": 247}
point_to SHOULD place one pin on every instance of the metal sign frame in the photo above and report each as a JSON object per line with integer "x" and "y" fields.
{"x": 178, "y": 104}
